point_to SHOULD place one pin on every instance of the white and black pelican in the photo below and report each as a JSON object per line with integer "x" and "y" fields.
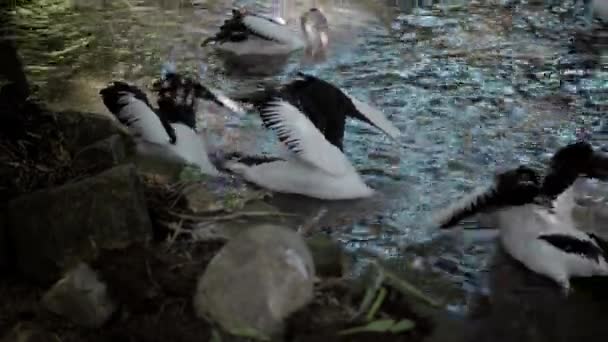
{"x": 169, "y": 133}
{"x": 248, "y": 33}
{"x": 308, "y": 116}
{"x": 533, "y": 229}
{"x": 324, "y": 104}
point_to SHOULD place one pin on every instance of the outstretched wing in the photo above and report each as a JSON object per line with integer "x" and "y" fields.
{"x": 132, "y": 108}
{"x": 467, "y": 206}
{"x": 303, "y": 139}
{"x": 375, "y": 117}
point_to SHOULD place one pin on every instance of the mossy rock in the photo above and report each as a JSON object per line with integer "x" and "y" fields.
{"x": 49, "y": 227}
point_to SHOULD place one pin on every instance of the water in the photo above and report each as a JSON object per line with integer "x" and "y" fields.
{"x": 474, "y": 88}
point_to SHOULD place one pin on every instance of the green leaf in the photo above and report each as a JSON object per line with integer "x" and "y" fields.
{"x": 382, "y": 326}
{"x": 403, "y": 326}
{"x": 406, "y": 288}
{"x": 377, "y": 304}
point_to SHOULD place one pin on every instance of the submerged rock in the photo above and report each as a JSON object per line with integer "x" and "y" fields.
{"x": 258, "y": 279}
{"x": 51, "y": 226}
{"x": 80, "y": 296}
{"x": 102, "y": 154}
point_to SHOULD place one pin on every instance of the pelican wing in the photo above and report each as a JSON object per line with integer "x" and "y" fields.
{"x": 303, "y": 139}
{"x": 273, "y": 31}
{"x": 375, "y": 117}
{"x": 467, "y": 206}
{"x": 191, "y": 148}
{"x": 143, "y": 122}
{"x": 583, "y": 246}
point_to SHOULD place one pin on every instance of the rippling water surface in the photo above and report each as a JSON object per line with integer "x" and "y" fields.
{"x": 473, "y": 86}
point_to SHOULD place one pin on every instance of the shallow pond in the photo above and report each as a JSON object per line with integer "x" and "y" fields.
{"x": 473, "y": 86}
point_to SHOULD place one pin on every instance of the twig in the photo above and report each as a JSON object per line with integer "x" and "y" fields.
{"x": 180, "y": 194}
{"x": 305, "y": 228}
{"x": 177, "y": 231}
{"x": 149, "y": 271}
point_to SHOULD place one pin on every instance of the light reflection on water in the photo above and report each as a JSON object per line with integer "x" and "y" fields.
{"x": 450, "y": 79}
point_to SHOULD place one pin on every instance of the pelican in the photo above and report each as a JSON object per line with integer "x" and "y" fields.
{"x": 324, "y": 104}
{"x": 247, "y": 35}
{"x": 533, "y": 227}
{"x": 169, "y": 133}
{"x": 308, "y": 116}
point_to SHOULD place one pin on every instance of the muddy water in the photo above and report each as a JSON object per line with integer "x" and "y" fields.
{"x": 473, "y": 86}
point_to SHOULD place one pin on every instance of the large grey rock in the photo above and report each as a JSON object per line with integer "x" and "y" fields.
{"x": 81, "y": 297}
{"x": 102, "y": 154}
{"x": 83, "y": 129}
{"x": 50, "y": 227}
{"x": 257, "y": 280}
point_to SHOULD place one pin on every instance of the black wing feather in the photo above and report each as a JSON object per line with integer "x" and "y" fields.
{"x": 572, "y": 245}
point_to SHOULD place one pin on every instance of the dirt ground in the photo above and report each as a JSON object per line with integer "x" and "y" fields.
{"x": 154, "y": 287}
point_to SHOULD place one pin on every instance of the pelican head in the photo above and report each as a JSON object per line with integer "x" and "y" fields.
{"x": 316, "y": 29}
{"x": 517, "y": 186}
{"x": 578, "y": 159}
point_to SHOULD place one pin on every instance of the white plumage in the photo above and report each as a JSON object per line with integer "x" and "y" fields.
{"x": 304, "y": 139}
{"x": 191, "y": 148}
{"x": 314, "y": 168}
{"x": 132, "y": 109}
{"x": 272, "y": 30}
{"x": 141, "y": 121}
{"x": 526, "y": 232}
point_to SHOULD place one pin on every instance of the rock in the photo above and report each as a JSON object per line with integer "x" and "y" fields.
{"x": 28, "y": 332}
{"x": 50, "y": 227}
{"x": 327, "y": 255}
{"x": 83, "y": 129}
{"x": 258, "y": 279}
{"x": 81, "y": 297}
{"x": 4, "y": 254}
{"x": 102, "y": 154}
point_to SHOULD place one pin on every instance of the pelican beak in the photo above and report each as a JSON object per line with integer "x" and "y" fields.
{"x": 220, "y": 99}
{"x": 279, "y": 20}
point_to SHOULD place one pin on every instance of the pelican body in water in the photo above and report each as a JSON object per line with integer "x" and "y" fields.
{"x": 170, "y": 132}
{"x": 308, "y": 115}
{"x": 263, "y": 44}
